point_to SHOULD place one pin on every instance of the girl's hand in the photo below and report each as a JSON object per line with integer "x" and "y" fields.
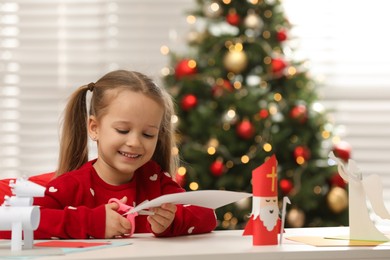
{"x": 116, "y": 224}
{"x": 162, "y": 218}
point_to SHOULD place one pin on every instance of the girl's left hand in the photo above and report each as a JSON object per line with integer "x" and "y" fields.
{"x": 162, "y": 218}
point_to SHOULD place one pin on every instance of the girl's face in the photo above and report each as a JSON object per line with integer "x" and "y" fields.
{"x": 126, "y": 135}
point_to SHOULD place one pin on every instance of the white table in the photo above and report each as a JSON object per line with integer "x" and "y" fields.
{"x": 228, "y": 245}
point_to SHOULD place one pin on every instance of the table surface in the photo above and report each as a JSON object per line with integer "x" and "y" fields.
{"x": 228, "y": 245}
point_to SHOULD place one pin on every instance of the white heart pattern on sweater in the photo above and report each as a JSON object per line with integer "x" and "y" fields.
{"x": 191, "y": 229}
{"x": 52, "y": 189}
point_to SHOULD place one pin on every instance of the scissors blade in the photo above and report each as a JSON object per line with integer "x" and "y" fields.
{"x": 141, "y": 212}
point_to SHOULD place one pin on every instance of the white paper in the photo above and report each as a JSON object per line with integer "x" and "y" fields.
{"x": 373, "y": 187}
{"x": 204, "y": 198}
{"x": 27, "y": 216}
{"x": 25, "y": 188}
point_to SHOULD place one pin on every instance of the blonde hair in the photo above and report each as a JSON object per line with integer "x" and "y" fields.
{"x": 74, "y": 136}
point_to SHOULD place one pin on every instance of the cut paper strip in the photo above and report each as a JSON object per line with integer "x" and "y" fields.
{"x": 71, "y": 244}
{"x": 204, "y": 198}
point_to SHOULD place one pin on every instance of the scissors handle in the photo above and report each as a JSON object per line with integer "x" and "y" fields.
{"x": 122, "y": 206}
{"x": 126, "y": 208}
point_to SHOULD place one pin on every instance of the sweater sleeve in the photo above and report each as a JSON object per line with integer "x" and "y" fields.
{"x": 67, "y": 213}
{"x": 71, "y": 222}
{"x": 189, "y": 219}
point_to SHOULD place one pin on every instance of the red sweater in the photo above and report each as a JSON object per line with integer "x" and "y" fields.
{"x": 74, "y": 204}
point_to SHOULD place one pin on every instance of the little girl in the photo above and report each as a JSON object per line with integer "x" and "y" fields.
{"x": 130, "y": 121}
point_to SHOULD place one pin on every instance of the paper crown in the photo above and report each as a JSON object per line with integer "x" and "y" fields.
{"x": 265, "y": 179}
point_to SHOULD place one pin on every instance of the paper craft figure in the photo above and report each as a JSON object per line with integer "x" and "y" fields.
{"x": 264, "y": 222}
{"x": 18, "y": 215}
{"x": 361, "y": 226}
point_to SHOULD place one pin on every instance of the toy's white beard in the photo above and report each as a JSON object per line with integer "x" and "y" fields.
{"x": 268, "y": 214}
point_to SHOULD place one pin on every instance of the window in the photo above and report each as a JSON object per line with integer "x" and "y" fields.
{"x": 347, "y": 46}
{"x": 49, "y": 48}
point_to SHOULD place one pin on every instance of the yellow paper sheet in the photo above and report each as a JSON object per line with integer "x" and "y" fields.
{"x": 322, "y": 241}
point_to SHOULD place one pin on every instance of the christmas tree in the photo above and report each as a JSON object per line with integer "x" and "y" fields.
{"x": 241, "y": 97}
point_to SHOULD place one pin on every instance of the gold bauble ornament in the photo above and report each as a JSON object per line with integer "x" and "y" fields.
{"x": 337, "y": 199}
{"x": 235, "y": 61}
{"x": 296, "y": 218}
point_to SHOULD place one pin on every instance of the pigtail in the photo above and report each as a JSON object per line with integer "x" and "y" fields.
{"x": 74, "y": 137}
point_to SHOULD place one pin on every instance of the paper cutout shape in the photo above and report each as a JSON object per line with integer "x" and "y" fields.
{"x": 361, "y": 226}
{"x": 204, "y": 198}
{"x": 18, "y": 215}
{"x": 264, "y": 222}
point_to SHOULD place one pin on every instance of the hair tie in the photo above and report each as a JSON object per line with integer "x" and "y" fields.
{"x": 91, "y": 86}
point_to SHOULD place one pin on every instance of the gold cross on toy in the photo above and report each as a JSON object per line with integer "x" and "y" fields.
{"x": 272, "y": 175}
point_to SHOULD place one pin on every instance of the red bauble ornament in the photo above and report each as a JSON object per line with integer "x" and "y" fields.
{"x": 217, "y": 168}
{"x": 220, "y": 87}
{"x": 233, "y": 18}
{"x": 281, "y": 35}
{"x": 342, "y": 150}
{"x": 245, "y": 129}
{"x": 185, "y": 67}
{"x": 278, "y": 65}
{"x": 263, "y": 113}
{"x": 302, "y": 151}
{"x": 286, "y": 186}
{"x": 337, "y": 180}
{"x": 188, "y": 102}
{"x": 299, "y": 113}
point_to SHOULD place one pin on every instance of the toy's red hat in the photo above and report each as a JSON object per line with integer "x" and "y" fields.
{"x": 265, "y": 179}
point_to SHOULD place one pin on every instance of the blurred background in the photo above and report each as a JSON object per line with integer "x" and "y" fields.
{"x": 49, "y": 48}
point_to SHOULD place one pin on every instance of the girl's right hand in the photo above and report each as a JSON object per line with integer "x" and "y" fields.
{"x": 116, "y": 224}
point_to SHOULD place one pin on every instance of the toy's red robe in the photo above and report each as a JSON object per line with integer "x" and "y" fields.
{"x": 261, "y": 236}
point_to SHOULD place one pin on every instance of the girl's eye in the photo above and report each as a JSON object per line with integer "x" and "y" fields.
{"x": 267, "y": 200}
{"x": 122, "y": 131}
{"x": 149, "y": 136}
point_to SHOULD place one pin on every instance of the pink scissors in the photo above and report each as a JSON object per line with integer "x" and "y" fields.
{"x": 125, "y": 209}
